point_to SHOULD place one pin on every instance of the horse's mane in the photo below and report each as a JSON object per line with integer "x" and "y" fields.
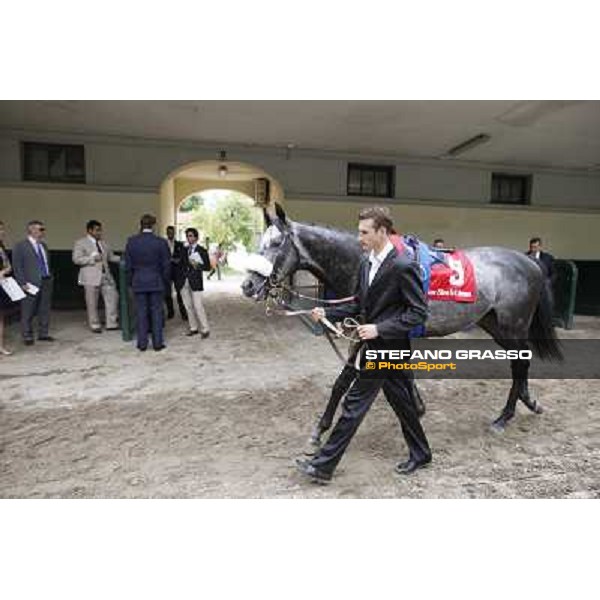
{"x": 327, "y": 230}
{"x": 332, "y": 255}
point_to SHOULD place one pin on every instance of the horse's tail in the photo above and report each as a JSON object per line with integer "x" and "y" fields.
{"x": 542, "y": 335}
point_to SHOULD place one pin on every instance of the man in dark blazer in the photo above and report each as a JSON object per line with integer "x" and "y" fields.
{"x": 148, "y": 266}
{"x": 189, "y": 281}
{"x": 545, "y": 259}
{"x": 31, "y": 268}
{"x": 176, "y": 251}
{"x": 390, "y": 297}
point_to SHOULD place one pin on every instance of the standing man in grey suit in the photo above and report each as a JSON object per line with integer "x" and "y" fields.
{"x": 31, "y": 268}
{"x": 93, "y": 255}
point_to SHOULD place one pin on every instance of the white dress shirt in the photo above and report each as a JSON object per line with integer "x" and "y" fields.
{"x": 37, "y": 245}
{"x": 377, "y": 259}
{"x": 94, "y": 241}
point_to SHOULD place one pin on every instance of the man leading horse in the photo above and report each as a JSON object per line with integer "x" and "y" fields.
{"x": 389, "y": 298}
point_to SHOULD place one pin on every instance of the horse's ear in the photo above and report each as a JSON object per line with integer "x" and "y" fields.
{"x": 268, "y": 220}
{"x": 276, "y": 217}
{"x": 281, "y": 213}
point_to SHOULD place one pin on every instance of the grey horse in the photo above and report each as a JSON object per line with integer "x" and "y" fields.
{"x": 514, "y": 304}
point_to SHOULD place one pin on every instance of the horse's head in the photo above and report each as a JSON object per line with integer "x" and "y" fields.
{"x": 277, "y": 258}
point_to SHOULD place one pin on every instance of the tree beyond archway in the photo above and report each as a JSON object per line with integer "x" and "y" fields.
{"x": 227, "y": 217}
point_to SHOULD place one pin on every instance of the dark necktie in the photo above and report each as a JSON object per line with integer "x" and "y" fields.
{"x": 41, "y": 261}
{"x": 99, "y": 247}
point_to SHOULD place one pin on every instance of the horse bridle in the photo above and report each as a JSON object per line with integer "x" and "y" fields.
{"x": 276, "y": 304}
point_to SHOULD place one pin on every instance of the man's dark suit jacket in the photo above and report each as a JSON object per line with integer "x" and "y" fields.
{"x": 177, "y": 247}
{"x": 176, "y": 258}
{"x": 148, "y": 263}
{"x": 547, "y": 262}
{"x": 190, "y": 272}
{"x": 394, "y": 301}
{"x": 25, "y": 263}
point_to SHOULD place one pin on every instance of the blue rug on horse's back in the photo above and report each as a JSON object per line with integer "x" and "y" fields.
{"x": 417, "y": 250}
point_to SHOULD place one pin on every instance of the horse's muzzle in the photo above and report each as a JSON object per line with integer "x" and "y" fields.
{"x": 253, "y": 288}
{"x": 248, "y": 288}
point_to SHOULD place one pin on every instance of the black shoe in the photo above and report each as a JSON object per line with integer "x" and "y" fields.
{"x": 28, "y": 342}
{"x": 96, "y": 330}
{"x": 111, "y": 329}
{"x": 142, "y": 349}
{"x": 46, "y": 338}
{"x": 159, "y": 348}
{"x": 191, "y": 333}
{"x": 411, "y": 465}
{"x": 307, "y": 468}
{"x": 204, "y": 334}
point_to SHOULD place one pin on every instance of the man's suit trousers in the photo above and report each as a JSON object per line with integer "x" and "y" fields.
{"x": 363, "y": 392}
{"x": 149, "y": 314}
{"x": 197, "y": 318}
{"x": 110, "y": 295}
{"x": 37, "y": 306}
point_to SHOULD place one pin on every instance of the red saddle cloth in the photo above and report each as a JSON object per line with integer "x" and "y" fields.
{"x": 454, "y": 281}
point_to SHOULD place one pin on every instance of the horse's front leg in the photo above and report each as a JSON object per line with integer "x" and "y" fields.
{"x": 340, "y": 387}
{"x": 419, "y": 403}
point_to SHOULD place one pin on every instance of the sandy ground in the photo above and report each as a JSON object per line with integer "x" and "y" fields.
{"x": 89, "y": 416}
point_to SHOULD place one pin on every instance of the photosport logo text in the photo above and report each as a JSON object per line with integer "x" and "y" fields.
{"x": 431, "y": 362}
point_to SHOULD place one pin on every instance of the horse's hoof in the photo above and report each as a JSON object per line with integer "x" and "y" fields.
{"x": 313, "y": 447}
{"x": 534, "y": 406}
{"x": 498, "y": 426}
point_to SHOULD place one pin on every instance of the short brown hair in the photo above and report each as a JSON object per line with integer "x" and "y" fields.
{"x": 148, "y": 221}
{"x": 380, "y": 215}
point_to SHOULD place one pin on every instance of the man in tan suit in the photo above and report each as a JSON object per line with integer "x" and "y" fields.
{"x": 93, "y": 255}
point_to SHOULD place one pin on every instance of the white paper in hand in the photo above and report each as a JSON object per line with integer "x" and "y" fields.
{"x": 196, "y": 259}
{"x": 12, "y": 288}
{"x": 32, "y": 289}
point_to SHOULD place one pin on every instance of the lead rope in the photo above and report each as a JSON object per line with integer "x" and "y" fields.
{"x": 275, "y": 305}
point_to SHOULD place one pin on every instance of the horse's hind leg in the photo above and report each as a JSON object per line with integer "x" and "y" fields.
{"x": 519, "y": 389}
{"x": 520, "y": 374}
{"x": 524, "y": 396}
{"x": 519, "y": 371}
